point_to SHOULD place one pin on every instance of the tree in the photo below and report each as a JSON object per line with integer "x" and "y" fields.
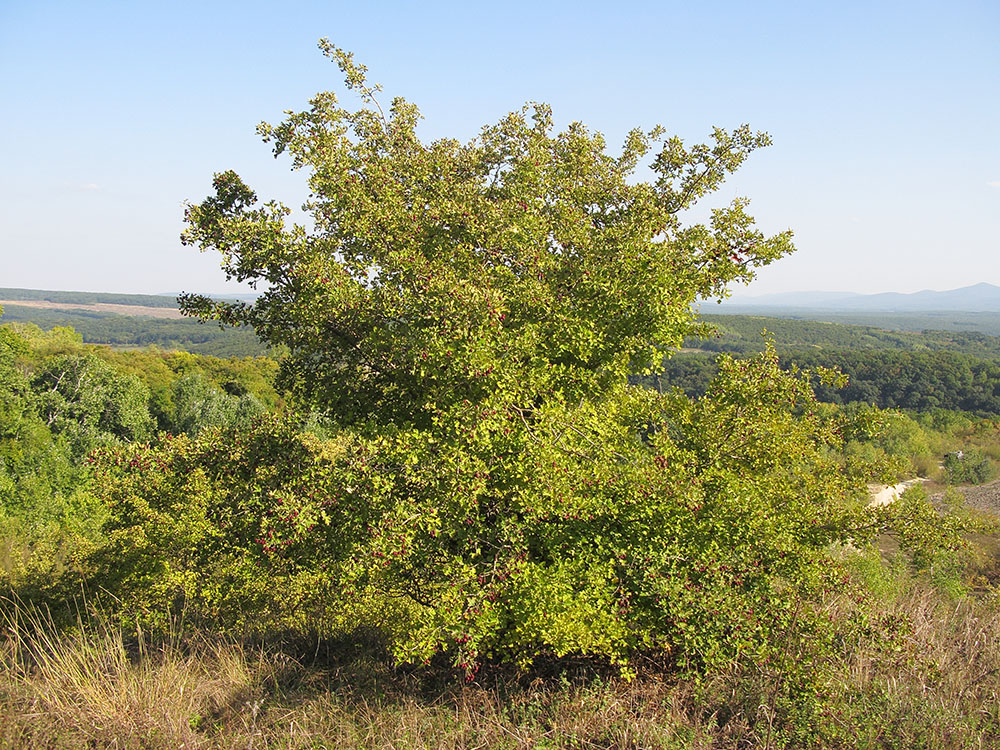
{"x": 90, "y": 402}
{"x": 470, "y": 313}
{"x": 198, "y": 404}
{"x": 16, "y": 398}
{"x": 968, "y": 467}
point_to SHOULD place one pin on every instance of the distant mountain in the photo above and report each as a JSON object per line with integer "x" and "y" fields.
{"x": 981, "y": 297}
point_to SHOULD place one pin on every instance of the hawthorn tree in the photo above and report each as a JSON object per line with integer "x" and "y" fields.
{"x": 468, "y": 314}
{"x": 526, "y": 262}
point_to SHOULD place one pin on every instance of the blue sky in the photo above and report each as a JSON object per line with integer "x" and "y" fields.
{"x": 884, "y": 116}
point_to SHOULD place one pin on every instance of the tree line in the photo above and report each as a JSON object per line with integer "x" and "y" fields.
{"x": 743, "y": 334}
{"x": 913, "y": 380}
{"x": 126, "y": 331}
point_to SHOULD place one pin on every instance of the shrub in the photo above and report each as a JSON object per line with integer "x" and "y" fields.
{"x": 969, "y": 467}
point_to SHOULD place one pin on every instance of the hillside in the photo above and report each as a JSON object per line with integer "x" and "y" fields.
{"x": 890, "y": 369}
{"x": 744, "y": 333}
{"x": 60, "y": 298}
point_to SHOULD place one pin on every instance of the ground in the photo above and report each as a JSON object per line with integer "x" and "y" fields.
{"x": 984, "y": 497}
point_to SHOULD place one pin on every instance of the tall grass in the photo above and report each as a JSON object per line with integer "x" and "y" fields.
{"x": 942, "y": 686}
{"x": 98, "y": 686}
{"x": 94, "y": 687}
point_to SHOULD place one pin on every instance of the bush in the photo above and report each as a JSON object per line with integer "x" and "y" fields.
{"x": 969, "y": 467}
{"x": 695, "y": 529}
{"x": 471, "y": 313}
{"x": 211, "y": 527}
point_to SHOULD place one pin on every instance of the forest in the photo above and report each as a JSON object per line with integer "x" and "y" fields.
{"x": 479, "y": 492}
{"x": 909, "y": 370}
{"x": 740, "y": 334}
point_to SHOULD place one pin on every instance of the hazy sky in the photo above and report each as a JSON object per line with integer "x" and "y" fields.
{"x": 885, "y": 117}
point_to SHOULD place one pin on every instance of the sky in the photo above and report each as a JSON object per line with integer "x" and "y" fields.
{"x": 884, "y": 115}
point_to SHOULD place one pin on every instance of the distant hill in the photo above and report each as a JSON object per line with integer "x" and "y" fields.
{"x": 87, "y": 298}
{"x": 978, "y": 298}
{"x": 743, "y": 334}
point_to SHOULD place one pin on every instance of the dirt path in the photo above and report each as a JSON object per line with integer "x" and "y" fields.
{"x": 883, "y": 494}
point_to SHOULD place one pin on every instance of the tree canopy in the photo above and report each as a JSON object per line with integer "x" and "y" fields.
{"x": 527, "y": 262}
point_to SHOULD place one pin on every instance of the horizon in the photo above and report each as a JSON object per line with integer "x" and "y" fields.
{"x": 864, "y": 294}
{"x": 249, "y": 292}
{"x": 876, "y": 112}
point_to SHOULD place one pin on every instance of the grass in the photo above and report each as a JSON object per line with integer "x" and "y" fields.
{"x": 938, "y": 687}
{"x": 95, "y": 686}
{"x": 99, "y": 689}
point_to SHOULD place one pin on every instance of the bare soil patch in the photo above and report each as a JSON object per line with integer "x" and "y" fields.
{"x": 984, "y": 497}
{"x": 883, "y": 494}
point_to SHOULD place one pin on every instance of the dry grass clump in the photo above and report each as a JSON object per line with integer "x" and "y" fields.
{"x": 97, "y": 688}
{"x": 94, "y": 688}
{"x": 942, "y": 689}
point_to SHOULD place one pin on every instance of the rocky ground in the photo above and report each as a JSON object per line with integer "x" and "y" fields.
{"x": 985, "y": 497}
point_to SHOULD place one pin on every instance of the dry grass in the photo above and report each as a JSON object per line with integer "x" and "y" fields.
{"x": 943, "y": 687}
{"x": 171, "y": 313}
{"x": 99, "y": 688}
{"x": 95, "y": 689}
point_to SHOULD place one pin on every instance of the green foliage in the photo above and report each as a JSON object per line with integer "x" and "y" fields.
{"x": 919, "y": 380}
{"x": 471, "y": 312}
{"x": 60, "y": 399}
{"x": 247, "y": 378}
{"x": 14, "y": 385}
{"x": 708, "y": 539}
{"x": 741, "y": 334}
{"x": 214, "y": 527}
{"x": 128, "y": 331}
{"x": 197, "y": 404}
{"x": 98, "y": 325}
{"x": 526, "y": 262}
{"x": 43, "y": 343}
{"x": 889, "y": 439}
{"x": 963, "y": 325}
{"x": 89, "y": 402}
{"x": 47, "y": 515}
